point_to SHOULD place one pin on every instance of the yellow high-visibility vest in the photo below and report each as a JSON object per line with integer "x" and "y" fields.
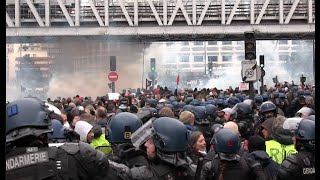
{"x": 278, "y": 152}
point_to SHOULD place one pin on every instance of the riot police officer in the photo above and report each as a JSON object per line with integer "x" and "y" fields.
{"x": 227, "y": 164}
{"x": 267, "y": 110}
{"x": 165, "y": 141}
{"x": 120, "y": 130}
{"x": 301, "y": 165}
{"x": 202, "y": 123}
{"x": 29, "y": 157}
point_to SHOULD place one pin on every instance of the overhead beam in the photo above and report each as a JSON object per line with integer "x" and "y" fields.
{"x": 155, "y": 13}
{"x": 264, "y": 7}
{"x": 310, "y": 13}
{"x": 96, "y": 13}
{"x": 160, "y": 30}
{"x": 203, "y": 13}
{"x": 9, "y": 21}
{"x": 65, "y": 12}
{"x": 77, "y": 12}
{"x": 47, "y": 12}
{"x": 35, "y": 13}
{"x": 125, "y": 12}
{"x": 235, "y": 7}
{"x": 17, "y": 13}
{"x": 280, "y": 11}
{"x": 175, "y": 11}
{"x": 292, "y": 9}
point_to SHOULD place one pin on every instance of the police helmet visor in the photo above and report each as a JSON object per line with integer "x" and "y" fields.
{"x": 141, "y": 135}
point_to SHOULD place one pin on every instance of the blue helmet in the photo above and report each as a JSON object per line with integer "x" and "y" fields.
{"x": 58, "y": 130}
{"x": 275, "y": 94}
{"x": 159, "y": 106}
{"x": 195, "y": 102}
{"x": 300, "y": 92}
{"x": 176, "y": 106}
{"x": 226, "y": 141}
{"x": 188, "y": 108}
{"x": 172, "y": 99}
{"x": 220, "y": 103}
{"x": 169, "y": 106}
{"x": 282, "y": 95}
{"x": 171, "y": 135}
{"x": 121, "y": 127}
{"x": 265, "y": 97}
{"x": 268, "y": 106}
{"x": 152, "y": 102}
{"x": 307, "y": 93}
{"x": 188, "y": 100}
{"x": 239, "y": 96}
{"x": 210, "y": 98}
{"x": 306, "y": 133}
{"x": 181, "y": 104}
{"x": 211, "y": 101}
{"x": 211, "y": 109}
{"x": 243, "y": 108}
{"x": 220, "y": 96}
{"x": 26, "y": 117}
{"x": 232, "y": 101}
{"x": 199, "y": 112}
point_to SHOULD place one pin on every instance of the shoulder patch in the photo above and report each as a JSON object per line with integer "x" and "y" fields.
{"x": 27, "y": 159}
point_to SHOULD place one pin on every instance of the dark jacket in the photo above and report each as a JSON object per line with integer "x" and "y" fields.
{"x": 269, "y": 166}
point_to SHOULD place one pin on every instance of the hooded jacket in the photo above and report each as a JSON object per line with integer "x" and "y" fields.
{"x": 281, "y": 144}
{"x": 83, "y": 128}
{"x": 101, "y": 144}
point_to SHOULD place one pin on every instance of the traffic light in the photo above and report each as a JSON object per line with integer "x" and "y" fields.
{"x": 153, "y": 64}
{"x": 262, "y": 61}
{"x": 113, "y": 63}
{"x": 210, "y": 66}
{"x": 250, "y": 45}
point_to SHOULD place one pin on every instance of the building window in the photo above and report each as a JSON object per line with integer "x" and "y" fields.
{"x": 198, "y": 43}
{"x": 184, "y": 58}
{"x": 198, "y": 59}
{"x": 212, "y": 58}
{"x": 184, "y": 65}
{"x": 185, "y": 43}
{"x": 226, "y": 42}
{"x": 226, "y": 58}
{"x": 212, "y": 42}
{"x": 283, "y": 41}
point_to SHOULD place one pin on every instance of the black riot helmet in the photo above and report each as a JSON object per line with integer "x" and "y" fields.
{"x": 268, "y": 106}
{"x": 211, "y": 109}
{"x": 152, "y": 102}
{"x": 26, "y": 117}
{"x": 188, "y": 100}
{"x": 169, "y": 135}
{"x": 121, "y": 127}
{"x": 200, "y": 115}
{"x": 306, "y": 133}
{"x": 226, "y": 141}
{"x": 242, "y": 108}
{"x": 232, "y": 101}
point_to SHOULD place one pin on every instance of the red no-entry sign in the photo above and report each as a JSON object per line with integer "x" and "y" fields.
{"x": 113, "y": 76}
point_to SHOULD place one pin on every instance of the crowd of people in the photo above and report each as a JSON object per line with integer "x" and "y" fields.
{"x": 158, "y": 134}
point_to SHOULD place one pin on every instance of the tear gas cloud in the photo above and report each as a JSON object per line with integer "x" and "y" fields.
{"x": 82, "y": 68}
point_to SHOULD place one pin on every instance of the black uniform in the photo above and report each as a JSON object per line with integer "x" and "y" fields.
{"x": 69, "y": 161}
{"x": 300, "y": 166}
{"x": 235, "y": 169}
